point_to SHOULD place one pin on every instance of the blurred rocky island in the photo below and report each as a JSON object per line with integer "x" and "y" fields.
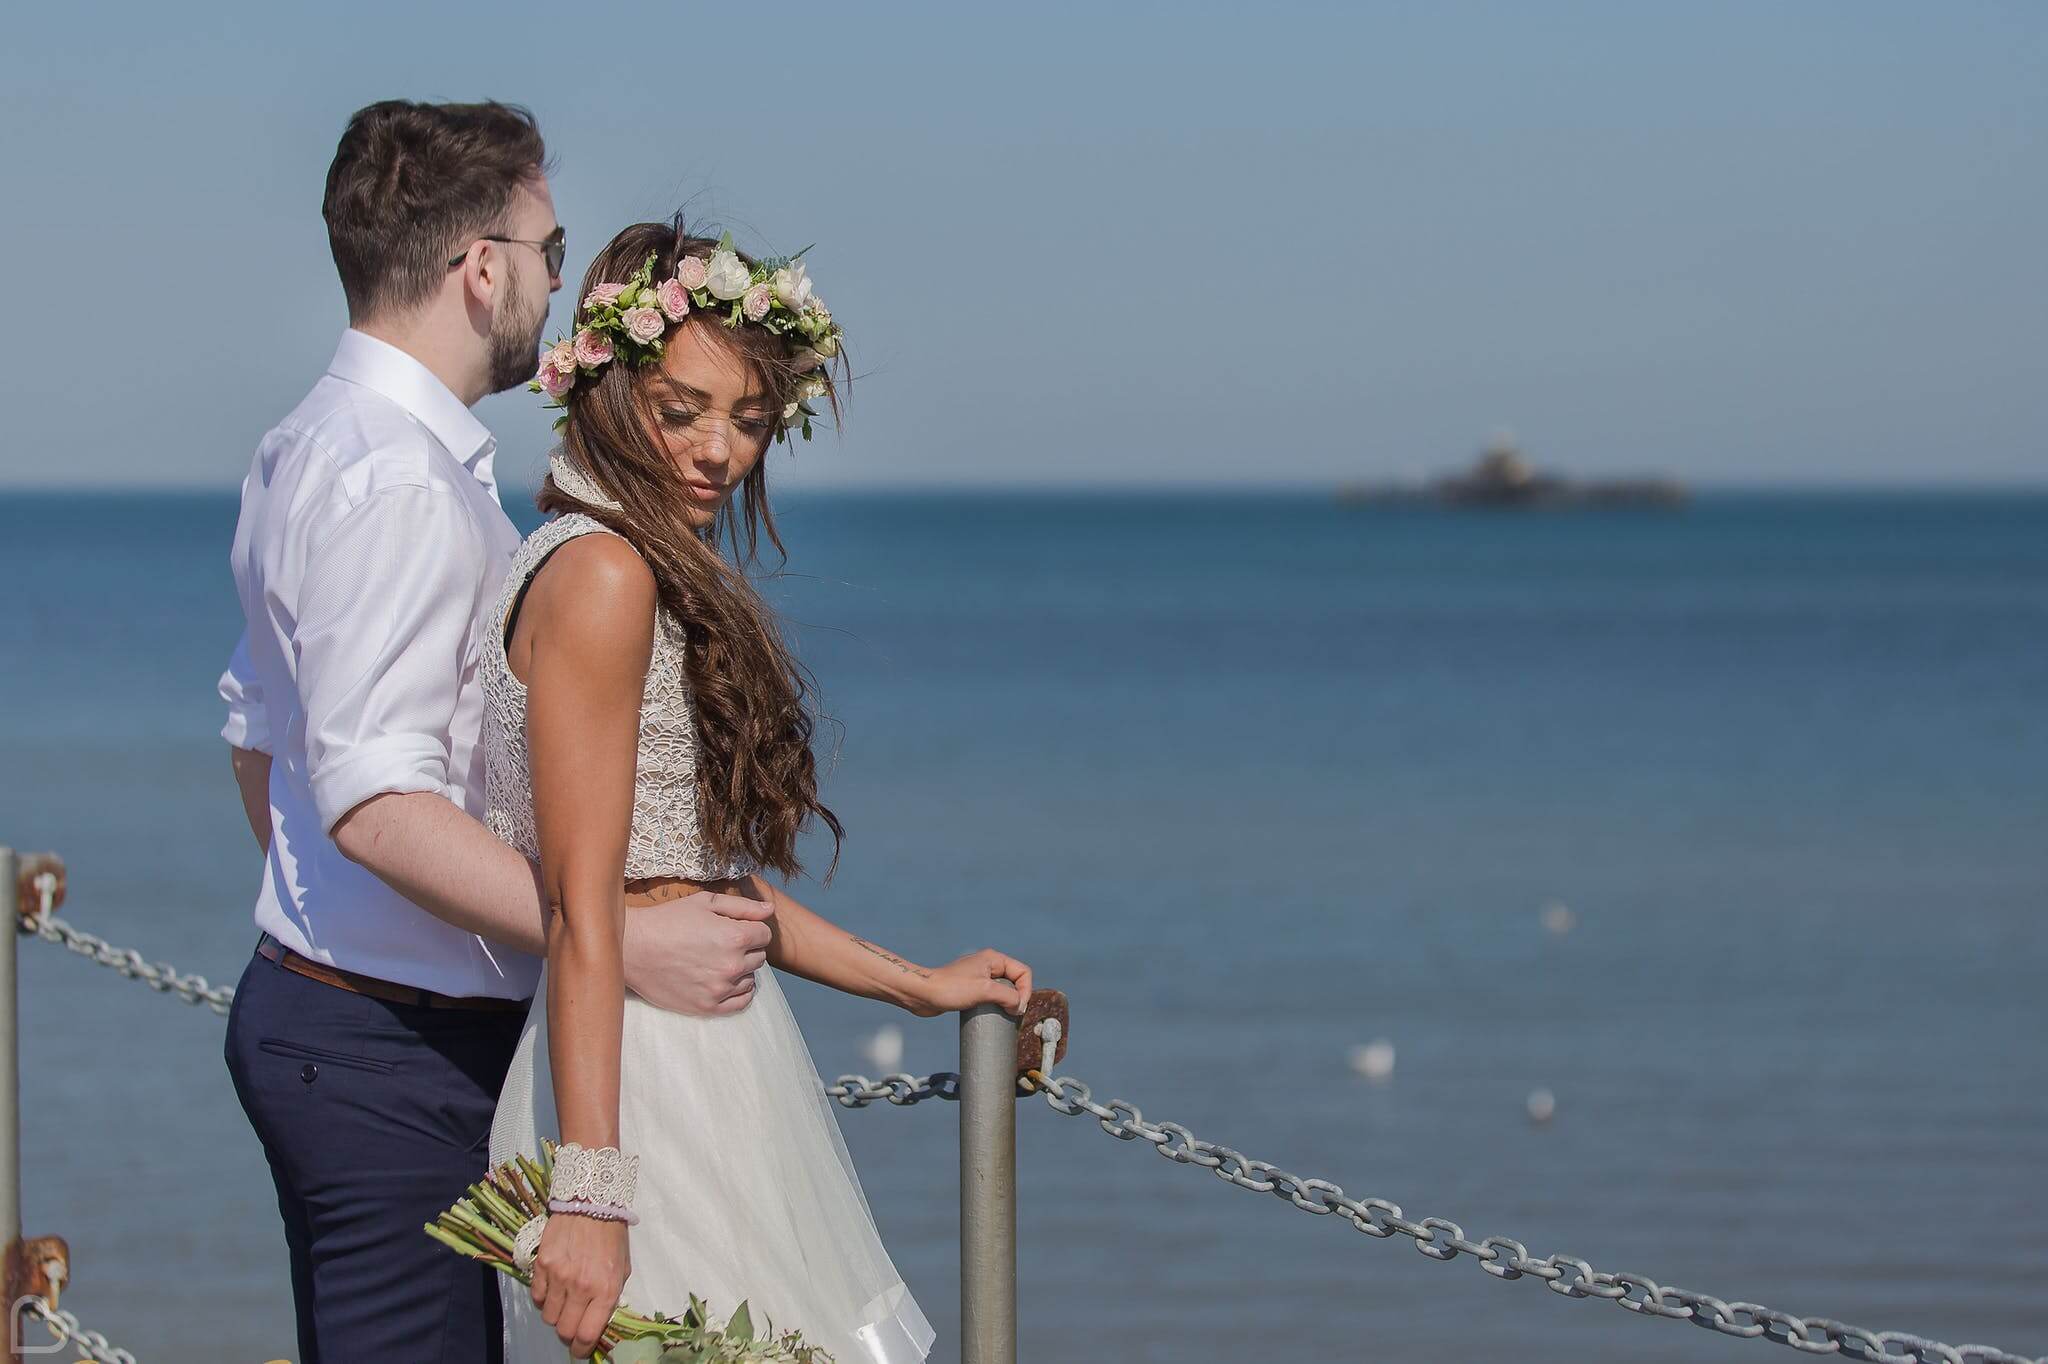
{"x": 1503, "y": 477}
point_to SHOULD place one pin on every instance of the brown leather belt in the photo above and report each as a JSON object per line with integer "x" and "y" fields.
{"x": 270, "y": 949}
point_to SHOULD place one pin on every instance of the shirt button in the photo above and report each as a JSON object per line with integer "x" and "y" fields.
{"x": 309, "y": 1072}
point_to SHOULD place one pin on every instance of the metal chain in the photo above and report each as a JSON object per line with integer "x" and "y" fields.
{"x": 64, "y": 1326}
{"x": 858, "y": 1091}
{"x": 161, "y": 977}
{"x": 1501, "y": 1256}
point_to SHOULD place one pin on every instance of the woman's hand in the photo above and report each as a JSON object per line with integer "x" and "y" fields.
{"x": 984, "y": 977}
{"x": 578, "y": 1273}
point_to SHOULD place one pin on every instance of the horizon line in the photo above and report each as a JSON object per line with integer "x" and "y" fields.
{"x": 1276, "y": 488}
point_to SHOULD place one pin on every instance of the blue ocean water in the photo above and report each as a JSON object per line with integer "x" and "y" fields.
{"x": 1254, "y": 779}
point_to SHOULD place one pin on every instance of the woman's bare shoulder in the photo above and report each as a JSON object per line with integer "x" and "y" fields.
{"x": 595, "y": 595}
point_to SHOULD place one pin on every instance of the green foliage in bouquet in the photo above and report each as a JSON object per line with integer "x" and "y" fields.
{"x": 484, "y": 1224}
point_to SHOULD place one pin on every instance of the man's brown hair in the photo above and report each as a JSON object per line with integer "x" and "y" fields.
{"x": 412, "y": 185}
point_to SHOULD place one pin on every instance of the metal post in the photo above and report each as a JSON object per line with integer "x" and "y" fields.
{"x": 988, "y": 1186}
{"x": 10, "y": 1092}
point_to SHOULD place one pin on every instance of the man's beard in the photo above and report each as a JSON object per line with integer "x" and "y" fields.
{"x": 515, "y": 341}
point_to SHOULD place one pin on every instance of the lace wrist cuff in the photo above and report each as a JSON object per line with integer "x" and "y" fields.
{"x": 602, "y": 1176}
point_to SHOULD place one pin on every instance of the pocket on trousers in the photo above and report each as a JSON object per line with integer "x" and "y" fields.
{"x": 298, "y": 1051}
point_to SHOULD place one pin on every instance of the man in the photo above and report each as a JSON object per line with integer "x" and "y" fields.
{"x": 401, "y": 942}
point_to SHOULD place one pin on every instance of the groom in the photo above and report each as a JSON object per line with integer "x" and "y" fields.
{"x": 372, "y": 1028}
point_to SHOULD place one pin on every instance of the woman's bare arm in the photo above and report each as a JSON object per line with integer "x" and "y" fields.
{"x": 585, "y": 635}
{"x": 807, "y": 944}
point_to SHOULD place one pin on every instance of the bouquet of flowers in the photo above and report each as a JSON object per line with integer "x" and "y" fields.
{"x": 485, "y": 1225}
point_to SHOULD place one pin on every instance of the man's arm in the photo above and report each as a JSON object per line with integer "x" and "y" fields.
{"x": 248, "y": 734}
{"x": 688, "y": 957}
{"x": 439, "y": 856}
{"x": 252, "y": 778}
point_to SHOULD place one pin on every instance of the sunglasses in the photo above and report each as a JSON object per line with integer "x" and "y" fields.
{"x": 554, "y": 248}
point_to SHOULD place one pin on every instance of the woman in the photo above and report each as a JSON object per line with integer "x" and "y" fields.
{"x": 647, "y": 735}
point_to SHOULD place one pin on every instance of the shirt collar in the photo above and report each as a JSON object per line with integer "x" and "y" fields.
{"x": 385, "y": 369}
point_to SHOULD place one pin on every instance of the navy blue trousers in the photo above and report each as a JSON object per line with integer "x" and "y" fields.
{"x": 374, "y": 1116}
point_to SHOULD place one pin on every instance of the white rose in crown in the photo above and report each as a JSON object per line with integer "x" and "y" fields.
{"x": 792, "y": 286}
{"x": 726, "y": 277}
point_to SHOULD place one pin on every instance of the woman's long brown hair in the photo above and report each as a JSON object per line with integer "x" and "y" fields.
{"x": 757, "y": 778}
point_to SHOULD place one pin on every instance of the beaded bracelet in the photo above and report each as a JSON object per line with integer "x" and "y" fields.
{"x": 603, "y": 1212}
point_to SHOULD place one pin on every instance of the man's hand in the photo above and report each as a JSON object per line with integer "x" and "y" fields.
{"x": 697, "y": 955}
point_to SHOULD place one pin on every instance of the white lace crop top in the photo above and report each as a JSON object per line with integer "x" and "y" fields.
{"x": 666, "y": 838}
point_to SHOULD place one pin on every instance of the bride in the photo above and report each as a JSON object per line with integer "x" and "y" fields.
{"x": 647, "y": 735}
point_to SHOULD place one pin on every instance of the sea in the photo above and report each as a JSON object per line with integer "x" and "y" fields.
{"x": 1724, "y": 828}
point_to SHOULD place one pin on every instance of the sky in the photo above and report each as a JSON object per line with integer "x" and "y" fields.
{"x": 1742, "y": 242}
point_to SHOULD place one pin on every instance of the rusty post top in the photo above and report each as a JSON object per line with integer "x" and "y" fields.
{"x": 1045, "y": 1004}
{"x": 30, "y": 869}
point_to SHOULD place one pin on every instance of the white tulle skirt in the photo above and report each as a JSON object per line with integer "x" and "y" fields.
{"x": 746, "y": 1190}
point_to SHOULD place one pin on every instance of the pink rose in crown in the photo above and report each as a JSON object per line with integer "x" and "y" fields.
{"x": 603, "y": 296}
{"x": 692, "y": 272}
{"x": 555, "y": 381}
{"x": 644, "y": 324}
{"x": 592, "y": 348}
{"x": 563, "y": 357}
{"x": 756, "y": 301}
{"x": 673, "y": 298}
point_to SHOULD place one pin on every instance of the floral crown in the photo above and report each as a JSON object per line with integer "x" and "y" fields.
{"x": 628, "y": 321}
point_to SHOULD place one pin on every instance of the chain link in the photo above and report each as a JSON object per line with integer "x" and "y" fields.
{"x": 64, "y": 1326}
{"x": 858, "y": 1091}
{"x": 161, "y": 976}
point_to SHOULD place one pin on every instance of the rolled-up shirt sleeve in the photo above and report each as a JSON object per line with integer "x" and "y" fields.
{"x": 248, "y": 724}
{"x": 387, "y": 604}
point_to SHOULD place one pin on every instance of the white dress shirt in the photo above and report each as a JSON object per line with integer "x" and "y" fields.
{"x": 370, "y": 542}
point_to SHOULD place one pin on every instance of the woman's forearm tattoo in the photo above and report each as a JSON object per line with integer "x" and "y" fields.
{"x": 886, "y": 955}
